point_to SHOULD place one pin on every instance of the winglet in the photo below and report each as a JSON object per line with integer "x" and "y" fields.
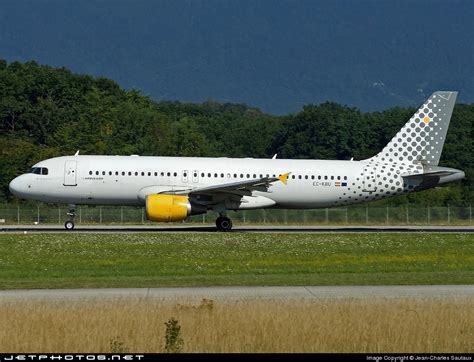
{"x": 284, "y": 178}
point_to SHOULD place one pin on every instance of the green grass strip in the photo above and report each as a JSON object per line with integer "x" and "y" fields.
{"x": 80, "y": 260}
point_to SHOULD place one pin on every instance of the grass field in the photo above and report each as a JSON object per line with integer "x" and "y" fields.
{"x": 133, "y": 325}
{"x": 76, "y": 260}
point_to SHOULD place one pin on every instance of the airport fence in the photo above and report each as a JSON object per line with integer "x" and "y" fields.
{"x": 366, "y": 215}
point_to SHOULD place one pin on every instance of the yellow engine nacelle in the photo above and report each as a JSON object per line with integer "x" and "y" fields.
{"x": 167, "y": 208}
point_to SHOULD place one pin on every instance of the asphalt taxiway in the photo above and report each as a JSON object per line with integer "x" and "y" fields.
{"x": 248, "y": 293}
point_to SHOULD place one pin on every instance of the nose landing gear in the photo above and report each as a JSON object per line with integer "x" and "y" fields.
{"x": 69, "y": 224}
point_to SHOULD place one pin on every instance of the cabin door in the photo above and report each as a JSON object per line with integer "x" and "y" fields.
{"x": 70, "y": 170}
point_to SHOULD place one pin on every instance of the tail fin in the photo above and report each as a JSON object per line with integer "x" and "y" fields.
{"x": 422, "y": 138}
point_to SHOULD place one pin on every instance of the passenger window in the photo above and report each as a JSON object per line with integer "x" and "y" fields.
{"x": 235, "y": 175}
{"x": 208, "y": 175}
{"x": 110, "y": 173}
{"x": 143, "y": 173}
{"x": 299, "y": 177}
{"x": 312, "y": 177}
{"x": 319, "y": 177}
{"x": 306, "y": 177}
{"x": 116, "y": 173}
{"x": 136, "y": 173}
{"x": 156, "y": 174}
{"x": 202, "y": 174}
{"x": 345, "y": 177}
{"x": 332, "y": 177}
{"x": 149, "y": 173}
{"x": 222, "y": 175}
{"x": 129, "y": 173}
{"x": 338, "y": 177}
{"x": 215, "y": 175}
{"x": 162, "y": 174}
{"x": 123, "y": 173}
{"x": 325, "y": 177}
{"x": 293, "y": 177}
{"x": 97, "y": 172}
{"x": 90, "y": 172}
{"x": 168, "y": 174}
{"x": 241, "y": 176}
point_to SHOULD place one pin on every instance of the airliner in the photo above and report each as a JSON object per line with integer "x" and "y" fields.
{"x": 173, "y": 188}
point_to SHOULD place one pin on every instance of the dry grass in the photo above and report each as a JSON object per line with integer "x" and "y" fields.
{"x": 131, "y": 325}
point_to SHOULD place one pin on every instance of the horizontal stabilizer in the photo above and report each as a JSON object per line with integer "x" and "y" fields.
{"x": 434, "y": 176}
{"x": 429, "y": 174}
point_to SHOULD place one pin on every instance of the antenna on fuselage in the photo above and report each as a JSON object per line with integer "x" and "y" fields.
{"x": 274, "y": 156}
{"x": 77, "y": 153}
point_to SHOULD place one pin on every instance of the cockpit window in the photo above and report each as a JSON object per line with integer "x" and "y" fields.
{"x": 38, "y": 170}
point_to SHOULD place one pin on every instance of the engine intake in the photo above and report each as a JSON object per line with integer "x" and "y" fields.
{"x": 167, "y": 208}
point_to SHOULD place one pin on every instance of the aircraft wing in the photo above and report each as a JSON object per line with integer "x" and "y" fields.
{"x": 241, "y": 187}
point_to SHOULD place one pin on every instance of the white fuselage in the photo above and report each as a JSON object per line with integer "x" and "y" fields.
{"x": 125, "y": 180}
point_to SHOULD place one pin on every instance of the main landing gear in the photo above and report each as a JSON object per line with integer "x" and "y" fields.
{"x": 223, "y": 223}
{"x": 69, "y": 224}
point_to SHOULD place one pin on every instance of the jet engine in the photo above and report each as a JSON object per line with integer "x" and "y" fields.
{"x": 167, "y": 208}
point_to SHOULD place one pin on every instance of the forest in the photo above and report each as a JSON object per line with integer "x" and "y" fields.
{"x": 47, "y": 112}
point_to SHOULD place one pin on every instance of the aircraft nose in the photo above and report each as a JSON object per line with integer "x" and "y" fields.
{"x": 15, "y": 186}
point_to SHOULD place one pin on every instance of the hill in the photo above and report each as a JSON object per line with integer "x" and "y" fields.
{"x": 46, "y": 112}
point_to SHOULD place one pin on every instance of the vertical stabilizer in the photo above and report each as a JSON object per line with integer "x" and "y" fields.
{"x": 422, "y": 138}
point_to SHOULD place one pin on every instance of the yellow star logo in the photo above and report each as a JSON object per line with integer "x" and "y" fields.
{"x": 426, "y": 120}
